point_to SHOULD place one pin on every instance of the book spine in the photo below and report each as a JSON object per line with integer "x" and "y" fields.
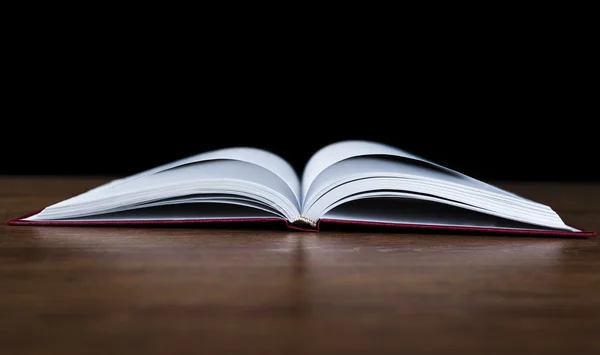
{"x": 302, "y": 221}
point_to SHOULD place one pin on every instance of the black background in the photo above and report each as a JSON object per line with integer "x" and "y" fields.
{"x": 506, "y": 111}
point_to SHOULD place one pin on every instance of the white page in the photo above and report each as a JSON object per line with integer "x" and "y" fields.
{"x": 194, "y": 200}
{"x": 426, "y": 210}
{"x": 186, "y": 211}
{"x": 260, "y": 157}
{"x": 373, "y": 173}
{"x": 368, "y": 166}
{"x": 340, "y": 151}
{"x": 384, "y": 186}
{"x": 210, "y": 177}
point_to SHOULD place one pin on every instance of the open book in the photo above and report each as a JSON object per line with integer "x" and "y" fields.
{"x": 348, "y": 182}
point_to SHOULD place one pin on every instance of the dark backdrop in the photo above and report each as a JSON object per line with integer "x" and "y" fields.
{"x": 481, "y": 144}
{"x": 521, "y": 113}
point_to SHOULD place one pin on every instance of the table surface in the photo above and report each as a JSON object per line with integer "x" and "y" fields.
{"x": 184, "y": 290}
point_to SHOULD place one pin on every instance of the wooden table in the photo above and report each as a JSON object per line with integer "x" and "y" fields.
{"x": 211, "y": 291}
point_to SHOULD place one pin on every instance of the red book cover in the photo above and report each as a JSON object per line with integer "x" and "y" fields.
{"x": 323, "y": 224}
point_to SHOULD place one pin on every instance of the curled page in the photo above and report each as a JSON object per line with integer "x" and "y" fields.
{"x": 336, "y": 152}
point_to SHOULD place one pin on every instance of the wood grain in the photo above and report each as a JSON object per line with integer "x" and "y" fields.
{"x": 73, "y": 290}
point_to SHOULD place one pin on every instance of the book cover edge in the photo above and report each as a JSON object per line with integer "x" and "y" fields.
{"x": 20, "y": 221}
{"x": 502, "y": 231}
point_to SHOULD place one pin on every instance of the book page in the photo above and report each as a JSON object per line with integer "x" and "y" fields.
{"x": 381, "y": 175}
{"x": 260, "y": 157}
{"x": 423, "y": 210}
{"x": 214, "y": 178}
{"x": 195, "y": 202}
{"x": 385, "y": 166}
{"x": 337, "y": 152}
{"x": 184, "y": 211}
